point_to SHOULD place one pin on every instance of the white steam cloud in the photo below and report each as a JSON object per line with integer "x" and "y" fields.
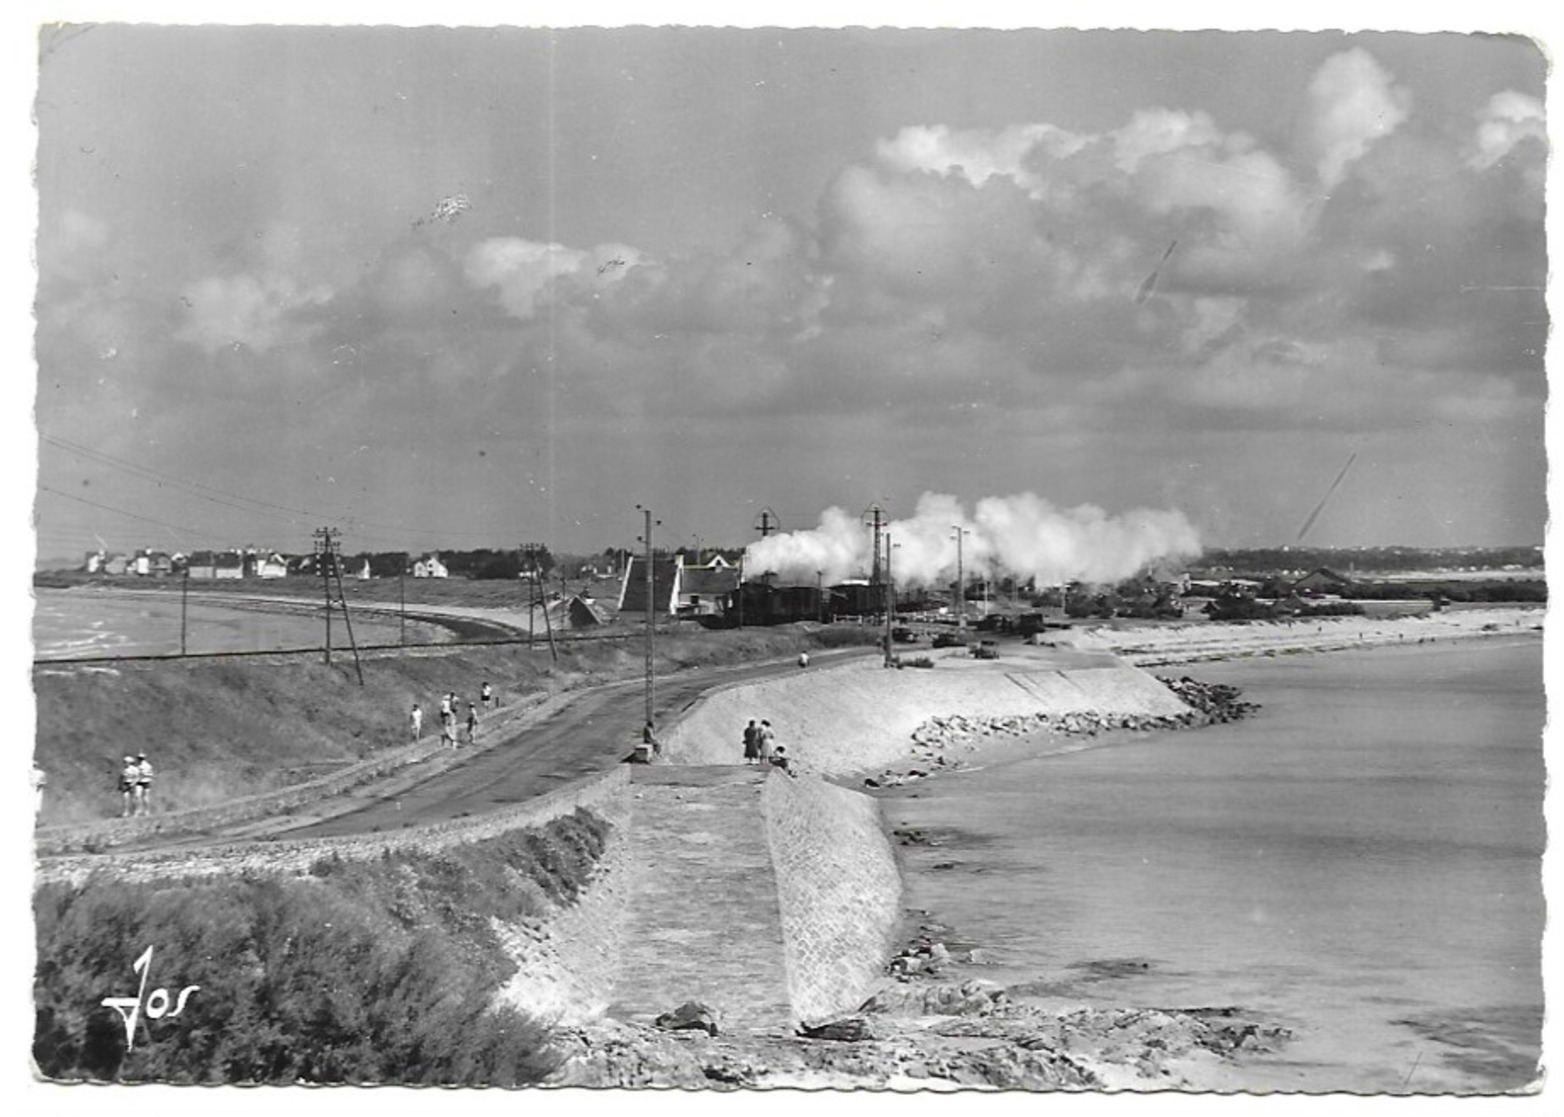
{"x": 1023, "y": 536}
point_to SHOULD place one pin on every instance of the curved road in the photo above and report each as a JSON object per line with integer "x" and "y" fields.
{"x": 596, "y": 729}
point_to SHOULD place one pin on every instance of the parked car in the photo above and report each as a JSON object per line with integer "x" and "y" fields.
{"x": 904, "y": 635}
{"x": 947, "y": 640}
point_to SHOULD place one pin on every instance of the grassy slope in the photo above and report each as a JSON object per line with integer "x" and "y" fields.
{"x": 376, "y": 971}
{"x": 217, "y": 729}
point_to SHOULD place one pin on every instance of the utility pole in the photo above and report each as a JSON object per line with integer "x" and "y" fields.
{"x": 887, "y": 597}
{"x": 401, "y": 593}
{"x": 651, "y": 618}
{"x": 323, "y": 552}
{"x": 769, "y": 522}
{"x": 876, "y": 516}
{"x": 820, "y": 596}
{"x": 184, "y": 598}
{"x": 328, "y": 551}
{"x": 961, "y": 589}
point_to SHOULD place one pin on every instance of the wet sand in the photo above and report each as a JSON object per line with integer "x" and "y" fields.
{"x": 1359, "y": 862}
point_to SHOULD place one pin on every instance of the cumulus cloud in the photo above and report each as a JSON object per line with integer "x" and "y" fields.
{"x": 1021, "y": 536}
{"x": 521, "y": 270}
{"x": 1508, "y": 119}
{"x": 1353, "y": 101}
{"x": 258, "y": 313}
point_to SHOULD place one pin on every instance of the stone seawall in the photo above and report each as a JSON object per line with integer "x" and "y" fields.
{"x": 859, "y": 716}
{"x": 597, "y": 793}
{"x": 838, "y": 890}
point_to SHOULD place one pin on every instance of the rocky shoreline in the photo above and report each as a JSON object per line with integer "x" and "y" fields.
{"x": 924, "y": 1030}
{"x": 939, "y": 741}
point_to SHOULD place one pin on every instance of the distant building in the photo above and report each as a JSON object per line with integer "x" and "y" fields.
{"x": 665, "y": 586}
{"x": 94, "y": 562}
{"x": 270, "y": 564}
{"x": 430, "y": 566}
{"x": 228, "y": 565}
{"x": 705, "y": 590}
{"x": 580, "y": 612}
{"x": 1322, "y": 581}
{"x": 115, "y": 564}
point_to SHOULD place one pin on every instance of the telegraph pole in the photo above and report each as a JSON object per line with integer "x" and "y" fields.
{"x": 651, "y": 617}
{"x": 887, "y": 597}
{"x": 876, "y": 516}
{"x": 532, "y": 555}
{"x": 184, "y": 598}
{"x": 324, "y": 537}
{"x": 961, "y": 589}
{"x": 401, "y": 592}
{"x": 327, "y": 551}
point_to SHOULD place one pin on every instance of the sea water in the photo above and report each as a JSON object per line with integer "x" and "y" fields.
{"x": 1360, "y": 861}
{"x": 69, "y": 624}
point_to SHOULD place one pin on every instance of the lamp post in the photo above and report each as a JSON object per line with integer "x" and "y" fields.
{"x": 819, "y": 598}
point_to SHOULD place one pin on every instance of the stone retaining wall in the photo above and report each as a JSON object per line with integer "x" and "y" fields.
{"x": 838, "y": 890}
{"x": 861, "y": 716}
{"x": 598, "y": 793}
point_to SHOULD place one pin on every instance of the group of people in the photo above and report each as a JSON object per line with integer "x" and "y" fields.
{"x": 135, "y": 785}
{"x": 450, "y": 708}
{"x": 760, "y": 747}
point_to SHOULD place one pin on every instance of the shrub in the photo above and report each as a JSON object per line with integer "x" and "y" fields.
{"x": 363, "y": 971}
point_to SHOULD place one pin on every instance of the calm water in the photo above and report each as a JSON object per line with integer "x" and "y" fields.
{"x": 1362, "y": 860}
{"x": 73, "y": 623}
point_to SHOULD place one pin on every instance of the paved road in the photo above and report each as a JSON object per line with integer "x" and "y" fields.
{"x": 592, "y": 733}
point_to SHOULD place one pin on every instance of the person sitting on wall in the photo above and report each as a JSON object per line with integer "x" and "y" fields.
{"x": 780, "y": 759}
{"x": 649, "y": 739}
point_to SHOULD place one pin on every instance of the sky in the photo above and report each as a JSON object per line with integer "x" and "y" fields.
{"x": 484, "y": 286}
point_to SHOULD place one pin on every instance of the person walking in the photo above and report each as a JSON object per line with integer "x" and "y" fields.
{"x": 751, "y": 742}
{"x": 416, "y": 721}
{"x": 472, "y": 723}
{"x": 486, "y": 695}
{"x": 768, "y": 742}
{"x": 446, "y": 711}
{"x": 803, "y": 659}
{"x": 128, "y": 777}
{"x": 143, "y": 784}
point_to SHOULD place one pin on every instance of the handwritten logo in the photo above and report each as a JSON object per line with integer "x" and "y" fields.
{"x": 155, "y": 1004}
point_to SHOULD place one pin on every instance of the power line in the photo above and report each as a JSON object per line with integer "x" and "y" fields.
{"x": 118, "y": 511}
{"x": 295, "y": 516}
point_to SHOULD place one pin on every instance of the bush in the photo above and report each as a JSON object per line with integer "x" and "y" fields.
{"x": 365, "y": 971}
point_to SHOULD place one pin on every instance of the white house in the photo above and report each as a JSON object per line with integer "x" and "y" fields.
{"x": 430, "y": 566}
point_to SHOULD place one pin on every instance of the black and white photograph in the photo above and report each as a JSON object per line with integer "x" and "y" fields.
{"x": 805, "y": 553}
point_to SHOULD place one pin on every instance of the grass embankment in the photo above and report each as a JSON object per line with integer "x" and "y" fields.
{"x": 373, "y": 971}
{"x": 217, "y": 729}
